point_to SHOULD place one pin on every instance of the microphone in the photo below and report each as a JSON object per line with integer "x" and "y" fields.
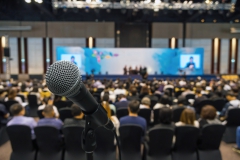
{"x": 63, "y": 78}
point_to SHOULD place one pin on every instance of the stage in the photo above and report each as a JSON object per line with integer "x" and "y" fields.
{"x": 150, "y": 77}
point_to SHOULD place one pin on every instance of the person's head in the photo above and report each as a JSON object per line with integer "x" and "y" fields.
{"x": 191, "y": 59}
{"x": 133, "y": 106}
{"x": 134, "y": 91}
{"x": 188, "y": 116}
{"x": 144, "y": 90}
{"x": 76, "y": 111}
{"x": 208, "y": 112}
{"x": 72, "y": 58}
{"x": 105, "y": 97}
{"x": 181, "y": 100}
{"x": 35, "y": 89}
{"x": 121, "y": 96}
{"x": 198, "y": 91}
{"x": 48, "y": 111}
{"x": 12, "y": 93}
{"x": 230, "y": 96}
{"x": 45, "y": 100}
{"x": 146, "y": 101}
{"x": 57, "y": 98}
{"x": 165, "y": 115}
{"x": 17, "y": 110}
{"x": 164, "y": 100}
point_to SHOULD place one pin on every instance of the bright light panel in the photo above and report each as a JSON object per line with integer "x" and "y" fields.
{"x": 28, "y": 1}
{"x": 39, "y": 1}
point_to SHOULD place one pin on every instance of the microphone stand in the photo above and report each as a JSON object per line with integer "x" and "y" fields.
{"x": 88, "y": 138}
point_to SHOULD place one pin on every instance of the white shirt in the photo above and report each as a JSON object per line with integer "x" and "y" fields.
{"x": 196, "y": 124}
{"x": 54, "y": 108}
{"x": 143, "y": 106}
{"x": 18, "y": 99}
{"x": 159, "y": 105}
{"x": 120, "y": 91}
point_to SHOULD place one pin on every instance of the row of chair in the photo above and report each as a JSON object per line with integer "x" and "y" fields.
{"x": 158, "y": 146}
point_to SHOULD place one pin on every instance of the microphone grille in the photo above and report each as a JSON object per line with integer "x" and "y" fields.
{"x": 63, "y": 78}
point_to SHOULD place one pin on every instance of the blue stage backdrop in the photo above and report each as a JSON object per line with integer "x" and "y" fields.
{"x": 180, "y": 61}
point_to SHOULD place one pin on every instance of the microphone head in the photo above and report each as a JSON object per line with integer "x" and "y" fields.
{"x": 64, "y": 78}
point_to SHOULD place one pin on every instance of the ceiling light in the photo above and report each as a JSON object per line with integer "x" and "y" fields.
{"x": 28, "y": 1}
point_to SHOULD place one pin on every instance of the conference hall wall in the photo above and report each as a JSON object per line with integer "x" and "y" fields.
{"x": 39, "y": 45}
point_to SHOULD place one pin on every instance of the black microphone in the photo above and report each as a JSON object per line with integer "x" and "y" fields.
{"x": 64, "y": 79}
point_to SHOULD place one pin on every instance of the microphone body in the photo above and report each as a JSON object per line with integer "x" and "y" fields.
{"x": 63, "y": 78}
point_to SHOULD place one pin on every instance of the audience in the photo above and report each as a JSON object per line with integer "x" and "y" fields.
{"x": 45, "y": 102}
{"x": 49, "y": 118}
{"x": 165, "y": 118}
{"x": 208, "y": 116}
{"x": 77, "y": 119}
{"x": 145, "y": 103}
{"x": 133, "y": 117}
{"x": 133, "y": 94}
{"x": 199, "y": 97}
{"x": 113, "y": 118}
{"x": 123, "y": 103}
{"x": 59, "y": 103}
{"x": 233, "y": 102}
{"x": 12, "y": 96}
{"x": 188, "y": 118}
{"x": 18, "y": 113}
{"x": 105, "y": 99}
{"x": 163, "y": 102}
{"x": 181, "y": 103}
{"x": 36, "y": 93}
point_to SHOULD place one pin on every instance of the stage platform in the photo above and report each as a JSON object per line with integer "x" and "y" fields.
{"x": 150, "y": 77}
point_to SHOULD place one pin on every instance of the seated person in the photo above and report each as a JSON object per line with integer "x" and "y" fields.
{"x": 208, "y": 116}
{"x": 180, "y": 103}
{"x": 12, "y": 96}
{"x": 145, "y": 103}
{"x": 105, "y": 99}
{"x": 45, "y": 102}
{"x": 133, "y": 117}
{"x": 163, "y": 102}
{"x": 18, "y": 113}
{"x": 188, "y": 118}
{"x": 233, "y": 102}
{"x": 113, "y": 118}
{"x": 237, "y": 148}
{"x": 165, "y": 118}
{"x": 59, "y": 103}
{"x": 133, "y": 94}
{"x": 77, "y": 119}
{"x": 123, "y": 103}
{"x": 49, "y": 118}
{"x": 5, "y": 114}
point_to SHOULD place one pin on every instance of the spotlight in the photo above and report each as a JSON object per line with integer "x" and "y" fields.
{"x": 39, "y": 1}
{"x": 28, "y": 1}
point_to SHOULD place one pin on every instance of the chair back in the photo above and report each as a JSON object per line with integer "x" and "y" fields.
{"x": 121, "y": 112}
{"x": 20, "y": 137}
{"x": 146, "y": 114}
{"x": 9, "y": 103}
{"x": 48, "y": 139}
{"x": 105, "y": 144}
{"x": 32, "y": 101}
{"x": 40, "y": 115}
{"x": 233, "y": 118}
{"x": 73, "y": 147}
{"x": 211, "y": 136}
{"x": 186, "y": 139}
{"x": 22, "y": 97}
{"x": 200, "y": 105}
{"x": 156, "y": 115}
{"x": 130, "y": 139}
{"x": 190, "y": 96}
{"x": 160, "y": 141}
{"x": 65, "y": 113}
{"x": 177, "y": 114}
{"x": 219, "y": 104}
